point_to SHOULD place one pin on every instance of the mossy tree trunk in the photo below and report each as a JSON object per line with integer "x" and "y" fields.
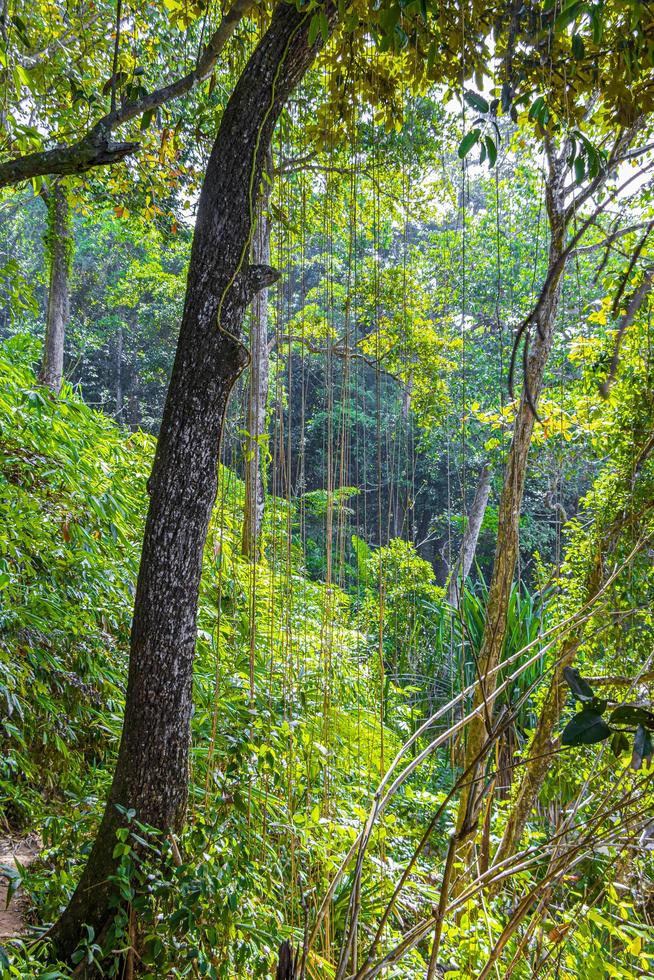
{"x": 59, "y": 244}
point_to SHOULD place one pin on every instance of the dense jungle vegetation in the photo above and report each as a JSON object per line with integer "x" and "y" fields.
{"x": 327, "y": 489}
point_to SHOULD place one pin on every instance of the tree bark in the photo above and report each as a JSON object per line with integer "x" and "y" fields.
{"x": 59, "y": 246}
{"x": 119, "y": 373}
{"x": 257, "y": 390}
{"x": 151, "y": 775}
{"x": 463, "y": 564}
{"x": 506, "y": 552}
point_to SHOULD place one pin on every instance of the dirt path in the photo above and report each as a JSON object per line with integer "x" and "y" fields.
{"x": 12, "y": 919}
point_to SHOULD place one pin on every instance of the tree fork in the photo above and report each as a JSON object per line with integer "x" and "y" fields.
{"x": 96, "y": 148}
{"x": 151, "y": 775}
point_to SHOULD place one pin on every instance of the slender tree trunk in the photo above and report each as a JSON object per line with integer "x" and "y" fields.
{"x": 506, "y": 552}
{"x": 151, "y": 774}
{"x": 119, "y": 372}
{"x": 258, "y": 389}
{"x": 59, "y": 244}
{"x": 463, "y": 564}
{"x": 133, "y": 404}
{"x": 542, "y": 745}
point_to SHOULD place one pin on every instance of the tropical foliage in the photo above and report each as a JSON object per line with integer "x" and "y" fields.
{"x": 281, "y": 284}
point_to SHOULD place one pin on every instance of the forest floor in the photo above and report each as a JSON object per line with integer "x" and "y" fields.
{"x": 14, "y": 852}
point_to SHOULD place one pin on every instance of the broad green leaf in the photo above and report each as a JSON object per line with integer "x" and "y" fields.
{"x": 492, "y": 150}
{"x": 468, "y": 142}
{"x": 586, "y": 728}
{"x": 475, "y": 100}
{"x": 632, "y": 714}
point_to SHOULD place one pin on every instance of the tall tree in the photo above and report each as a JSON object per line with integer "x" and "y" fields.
{"x": 562, "y": 215}
{"x": 151, "y": 775}
{"x": 621, "y": 499}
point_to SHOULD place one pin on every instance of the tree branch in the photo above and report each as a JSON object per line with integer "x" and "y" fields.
{"x": 610, "y": 239}
{"x": 633, "y": 307}
{"x": 96, "y": 148}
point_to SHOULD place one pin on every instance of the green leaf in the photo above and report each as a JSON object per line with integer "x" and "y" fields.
{"x": 572, "y": 154}
{"x": 619, "y": 744}
{"x": 568, "y": 15}
{"x": 475, "y": 100}
{"x": 586, "y": 728}
{"x": 492, "y": 150}
{"x": 632, "y": 714}
{"x": 22, "y": 74}
{"x": 579, "y": 687}
{"x": 314, "y": 27}
{"x": 537, "y": 108}
{"x": 593, "y": 162}
{"x": 468, "y": 142}
{"x": 580, "y": 169}
{"x": 598, "y": 26}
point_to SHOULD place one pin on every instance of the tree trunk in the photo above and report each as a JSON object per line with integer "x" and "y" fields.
{"x": 463, "y": 564}
{"x": 506, "y": 552}
{"x": 257, "y": 390}
{"x": 58, "y": 244}
{"x": 119, "y": 373}
{"x": 539, "y": 756}
{"x": 151, "y": 774}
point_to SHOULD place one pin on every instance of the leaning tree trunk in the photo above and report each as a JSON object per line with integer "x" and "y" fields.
{"x": 542, "y": 746}
{"x": 257, "y": 390}
{"x": 506, "y": 552}
{"x": 151, "y": 775}
{"x": 463, "y": 564}
{"x": 59, "y": 246}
